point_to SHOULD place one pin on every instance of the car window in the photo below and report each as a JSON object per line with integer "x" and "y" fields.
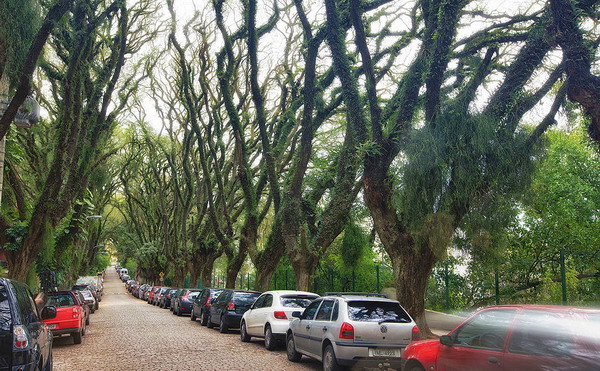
{"x": 487, "y": 329}
{"x": 259, "y": 302}
{"x": 268, "y": 301}
{"x": 60, "y": 300}
{"x": 324, "y": 313}
{"x": 336, "y": 311}
{"x": 311, "y": 310}
{"x": 542, "y": 334}
{"x": 295, "y": 301}
{"x": 222, "y": 296}
{"x": 193, "y": 295}
{"x": 25, "y": 304}
{"x": 215, "y": 293}
{"x": 375, "y": 311}
{"x": 5, "y": 315}
{"x": 245, "y": 298}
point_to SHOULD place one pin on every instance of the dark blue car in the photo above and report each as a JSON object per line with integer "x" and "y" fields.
{"x": 228, "y": 308}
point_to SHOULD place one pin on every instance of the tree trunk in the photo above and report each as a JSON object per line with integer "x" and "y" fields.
{"x": 207, "y": 275}
{"x": 412, "y": 268}
{"x": 178, "y": 275}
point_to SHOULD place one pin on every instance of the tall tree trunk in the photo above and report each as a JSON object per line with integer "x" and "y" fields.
{"x": 178, "y": 275}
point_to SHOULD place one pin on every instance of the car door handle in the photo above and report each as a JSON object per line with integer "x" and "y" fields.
{"x": 308, "y": 327}
{"x": 324, "y": 329}
{"x": 493, "y": 360}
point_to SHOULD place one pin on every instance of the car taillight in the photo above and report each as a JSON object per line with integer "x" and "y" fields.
{"x": 75, "y": 313}
{"x": 208, "y": 303}
{"x": 416, "y": 334}
{"x": 230, "y": 306}
{"x": 347, "y": 331}
{"x": 280, "y": 315}
{"x": 21, "y": 338}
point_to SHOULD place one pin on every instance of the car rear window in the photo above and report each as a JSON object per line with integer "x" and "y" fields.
{"x": 60, "y": 300}
{"x": 375, "y": 311}
{"x": 245, "y": 298}
{"x": 296, "y": 301}
{"x": 5, "y": 315}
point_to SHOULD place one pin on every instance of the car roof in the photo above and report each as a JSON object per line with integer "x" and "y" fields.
{"x": 359, "y": 297}
{"x": 290, "y": 292}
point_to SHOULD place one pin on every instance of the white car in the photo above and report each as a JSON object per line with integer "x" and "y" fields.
{"x": 270, "y": 315}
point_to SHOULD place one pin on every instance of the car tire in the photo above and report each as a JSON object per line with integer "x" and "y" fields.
{"x": 270, "y": 341}
{"x": 87, "y": 321}
{"x": 179, "y": 312}
{"x": 77, "y": 337}
{"x": 96, "y": 306}
{"x": 292, "y": 354}
{"x": 49, "y": 363}
{"x": 244, "y": 337}
{"x": 193, "y": 316}
{"x": 223, "y": 329}
{"x": 209, "y": 323}
{"x": 203, "y": 319}
{"x": 329, "y": 360}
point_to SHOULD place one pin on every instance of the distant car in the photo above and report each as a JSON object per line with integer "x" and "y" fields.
{"x": 152, "y": 293}
{"x": 174, "y": 297}
{"x": 165, "y": 300}
{"x": 89, "y": 299}
{"x": 88, "y": 305}
{"x": 228, "y": 308}
{"x": 203, "y": 303}
{"x": 351, "y": 329}
{"x": 26, "y": 344}
{"x": 514, "y": 337}
{"x": 125, "y": 278}
{"x": 184, "y": 300}
{"x": 159, "y": 295}
{"x": 269, "y": 316}
{"x": 92, "y": 289}
{"x": 70, "y": 315}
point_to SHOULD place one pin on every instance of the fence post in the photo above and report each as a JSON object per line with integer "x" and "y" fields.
{"x": 353, "y": 280}
{"x": 248, "y": 280}
{"x": 377, "y": 277}
{"x": 563, "y": 276}
{"x": 286, "y": 278}
{"x": 447, "y": 284}
{"x": 497, "y": 287}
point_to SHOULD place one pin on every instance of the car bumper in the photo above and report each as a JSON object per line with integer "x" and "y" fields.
{"x": 350, "y": 354}
{"x": 279, "y": 328}
{"x": 232, "y": 320}
{"x": 63, "y": 331}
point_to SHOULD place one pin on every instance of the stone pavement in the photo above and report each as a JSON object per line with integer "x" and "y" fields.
{"x": 128, "y": 334}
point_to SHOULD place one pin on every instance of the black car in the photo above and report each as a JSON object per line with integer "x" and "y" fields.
{"x": 184, "y": 300}
{"x": 25, "y": 343}
{"x": 202, "y": 304}
{"x": 228, "y": 308}
{"x": 165, "y": 300}
{"x": 174, "y": 297}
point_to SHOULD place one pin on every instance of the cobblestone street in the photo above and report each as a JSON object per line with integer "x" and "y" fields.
{"x": 128, "y": 334}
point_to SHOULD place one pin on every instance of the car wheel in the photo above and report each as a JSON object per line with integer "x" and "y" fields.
{"x": 209, "y": 323}
{"x": 203, "y": 319}
{"x": 179, "y": 311}
{"x": 244, "y": 337}
{"x": 193, "y": 316}
{"x": 96, "y": 306}
{"x": 292, "y": 354}
{"x": 87, "y": 320}
{"x": 49, "y": 363}
{"x": 77, "y": 337}
{"x": 329, "y": 361}
{"x": 223, "y": 329}
{"x": 270, "y": 341}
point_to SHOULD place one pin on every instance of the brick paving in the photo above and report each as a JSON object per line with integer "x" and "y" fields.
{"x": 128, "y": 334}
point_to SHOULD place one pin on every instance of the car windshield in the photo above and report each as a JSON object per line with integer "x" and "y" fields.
{"x": 376, "y": 311}
{"x": 60, "y": 300}
{"x": 245, "y": 298}
{"x": 87, "y": 295}
{"x": 5, "y": 316}
{"x": 296, "y": 301}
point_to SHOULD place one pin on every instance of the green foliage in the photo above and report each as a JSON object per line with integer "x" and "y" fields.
{"x": 19, "y": 22}
{"x": 355, "y": 244}
{"x": 17, "y": 232}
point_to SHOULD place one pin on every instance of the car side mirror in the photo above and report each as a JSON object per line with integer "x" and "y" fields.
{"x": 446, "y": 340}
{"x": 49, "y": 313}
{"x": 297, "y": 314}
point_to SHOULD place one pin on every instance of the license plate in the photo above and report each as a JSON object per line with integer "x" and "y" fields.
{"x": 385, "y": 352}
{"x": 52, "y": 327}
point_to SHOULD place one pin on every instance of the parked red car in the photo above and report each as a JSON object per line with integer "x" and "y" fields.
{"x": 152, "y": 293}
{"x": 70, "y": 315}
{"x": 514, "y": 337}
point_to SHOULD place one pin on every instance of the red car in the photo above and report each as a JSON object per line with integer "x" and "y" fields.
{"x": 514, "y": 337}
{"x": 152, "y": 293}
{"x": 70, "y": 315}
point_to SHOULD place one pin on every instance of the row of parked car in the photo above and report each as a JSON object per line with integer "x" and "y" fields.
{"x": 28, "y": 323}
{"x": 369, "y": 330}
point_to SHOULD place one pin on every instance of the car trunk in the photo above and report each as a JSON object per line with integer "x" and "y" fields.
{"x": 295, "y": 303}
{"x": 243, "y": 301}
{"x": 380, "y": 322}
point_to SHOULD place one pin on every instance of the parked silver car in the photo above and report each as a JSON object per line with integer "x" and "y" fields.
{"x": 351, "y": 329}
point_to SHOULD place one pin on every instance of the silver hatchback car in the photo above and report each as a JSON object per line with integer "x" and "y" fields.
{"x": 347, "y": 329}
